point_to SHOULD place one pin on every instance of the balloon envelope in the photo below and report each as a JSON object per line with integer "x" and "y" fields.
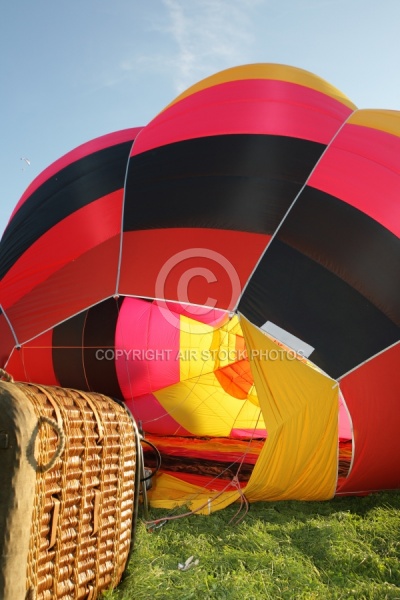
{"x": 231, "y": 270}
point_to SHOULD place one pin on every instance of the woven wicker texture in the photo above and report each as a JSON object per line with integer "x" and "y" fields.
{"x": 85, "y": 450}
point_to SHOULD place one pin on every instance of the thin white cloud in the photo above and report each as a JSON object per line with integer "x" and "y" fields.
{"x": 199, "y": 37}
{"x": 209, "y": 35}
{"x": 196, "y": 38}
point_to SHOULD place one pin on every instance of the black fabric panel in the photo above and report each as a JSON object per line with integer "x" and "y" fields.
{"x": 238, "y": 182}
{"x": 310, "y": 302}
{"x": 350, "y": 244}
{"x": 67, "y": 352}
{"x": 70, "y": 189}
{"x": 99, "y": 334}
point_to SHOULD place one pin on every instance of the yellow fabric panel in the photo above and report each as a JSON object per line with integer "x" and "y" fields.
{"x": 269, "y": 71}
{"x": 253, "y": 398}
{"x": 199, "y": 402}
{"x": 170, "y": 492}
{"x": 385, "y": 120}
{"x": 233, "y": 326}
{"x": 209, "y": 503}
{"x": 300, "y": 408}
{"x": 203, "y": 407}
{"x": 195, "y": 348}
{"x": 204, "y": 348}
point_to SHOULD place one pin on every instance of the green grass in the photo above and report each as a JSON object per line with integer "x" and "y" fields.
{"x": 347, "y": 548}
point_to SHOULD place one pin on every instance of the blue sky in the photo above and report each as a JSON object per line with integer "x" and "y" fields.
{"x": 74, "y": 70}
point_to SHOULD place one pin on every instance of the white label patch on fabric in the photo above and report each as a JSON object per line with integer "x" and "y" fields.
{"x": 290, "y": 340}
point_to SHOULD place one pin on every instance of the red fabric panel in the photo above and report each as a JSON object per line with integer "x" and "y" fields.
{"x": 34, "y": 361}
{"x": 66, "y": 242}
{"x": 258, "y": 106}
{"x": 80, "y": 284}
{"x": 7, "y": 341}
{"x": 218, "y": 449}
{"x": 372, "y": 394}
{"x": 110, "y": 139}
{"x": 362, "y": 167}
{"x": 212, "y": 269}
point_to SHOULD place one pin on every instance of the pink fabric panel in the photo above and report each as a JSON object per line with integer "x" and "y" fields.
{"x": 345, "y": 432}
{"x": 147, "y": 346}
{"x": 259, "y": 106}
{"x": 362, "y": 168}
{"x": 248, "y": 434}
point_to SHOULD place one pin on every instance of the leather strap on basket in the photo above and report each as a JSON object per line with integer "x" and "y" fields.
{"x": 54, "y": 521}
{"x": 52, "y": 402}
{"x": 95, "y": 412}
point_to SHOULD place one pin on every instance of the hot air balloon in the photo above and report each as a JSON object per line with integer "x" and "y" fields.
{"x": 230, "y": 270}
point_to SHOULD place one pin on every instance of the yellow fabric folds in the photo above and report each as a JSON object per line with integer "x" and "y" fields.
{"x": 170, "y": 492}
{"x": 299, "y": 405}
{"x": 300, "y": 408}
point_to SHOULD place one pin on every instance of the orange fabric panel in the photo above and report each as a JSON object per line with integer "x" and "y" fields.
{"x": 236, "y": 379}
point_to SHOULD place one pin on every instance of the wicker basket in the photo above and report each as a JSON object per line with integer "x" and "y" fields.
{"x": 68, "y": 492}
